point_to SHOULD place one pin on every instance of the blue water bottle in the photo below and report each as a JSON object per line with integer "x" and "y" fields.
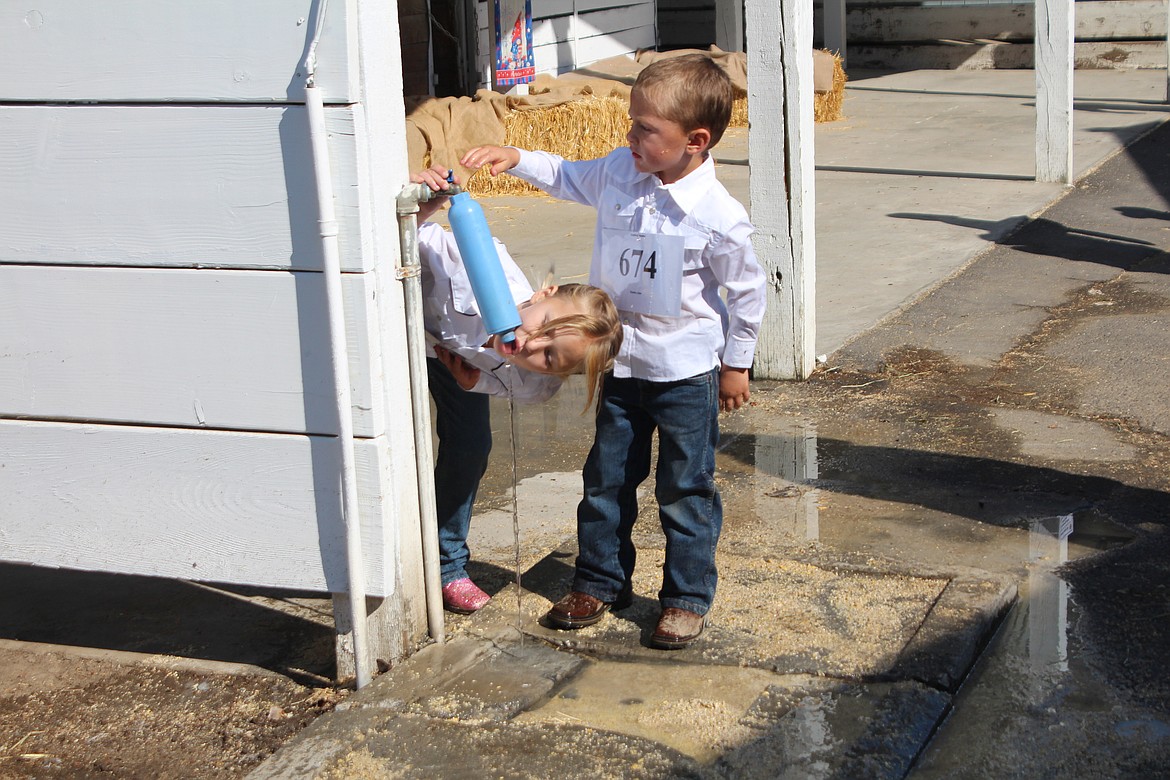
{"x": 488, "y": 283}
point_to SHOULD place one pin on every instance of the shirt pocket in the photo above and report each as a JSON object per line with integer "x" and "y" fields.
{"x": 694, "y": 248}
{"x": 618, "y": 209}
{"x": 462, "y": 298}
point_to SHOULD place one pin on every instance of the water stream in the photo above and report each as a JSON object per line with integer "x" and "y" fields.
{"x": 516, "y": 514}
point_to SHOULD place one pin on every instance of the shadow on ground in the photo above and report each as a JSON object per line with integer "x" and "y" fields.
{"x": 170, "y": 617}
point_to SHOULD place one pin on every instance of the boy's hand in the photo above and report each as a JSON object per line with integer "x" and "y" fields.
{"x": 733, "y": 388}
{"x": 434, "y": 177}
{"x": 501, "y": 158}
{"x": 466, "y": 375}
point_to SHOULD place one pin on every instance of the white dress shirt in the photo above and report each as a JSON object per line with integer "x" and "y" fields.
{"x": 718, "y": 254}
{"x": 451, "y": 317}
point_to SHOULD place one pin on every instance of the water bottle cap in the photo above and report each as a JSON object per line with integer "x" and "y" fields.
{"x": 508, "y": 337}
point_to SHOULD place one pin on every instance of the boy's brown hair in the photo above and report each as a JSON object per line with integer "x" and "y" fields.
{"x": 690, "y": 90}
{"x": 600, "y": 326}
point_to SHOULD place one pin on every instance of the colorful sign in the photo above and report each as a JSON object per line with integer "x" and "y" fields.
{"x": 514, "y": 61}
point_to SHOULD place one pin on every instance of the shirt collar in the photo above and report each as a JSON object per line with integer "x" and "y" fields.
{"x": 692, "y": 188}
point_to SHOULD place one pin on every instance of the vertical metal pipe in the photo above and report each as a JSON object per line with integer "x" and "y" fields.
{"x": 409, "y": 272}
{"x": 340, "y": 362}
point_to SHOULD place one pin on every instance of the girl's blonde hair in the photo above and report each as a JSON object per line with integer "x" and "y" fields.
{"x": 598, "y": 324}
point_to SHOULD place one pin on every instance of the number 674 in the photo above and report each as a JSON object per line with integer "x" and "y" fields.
{"x": 638, "y": 262}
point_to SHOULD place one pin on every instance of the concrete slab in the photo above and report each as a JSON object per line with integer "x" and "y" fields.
{"x": 412, "y": 747}
{"x": 463, "y": 681}
{"x": 745, "y": 723}
{"x": 610, "y": 719}
{"x": 805, "y": 664}
{"x": 789, "y": 616}
{"x": 697, "y": 711}
{"x": 545, "y": 514}
{"x": 829, "y": 729}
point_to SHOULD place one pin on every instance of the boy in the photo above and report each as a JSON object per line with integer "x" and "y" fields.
{"x": 573, "y": 328}
{"x": 668, "y": 237}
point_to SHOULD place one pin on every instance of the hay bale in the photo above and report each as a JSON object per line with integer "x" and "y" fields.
{"x": 588, "y": 127}
{"x": 739, "y": 115}
{"x": 827, "y": 106}
{"x": 826, "y": 103}
{"x": 581, "y": 129}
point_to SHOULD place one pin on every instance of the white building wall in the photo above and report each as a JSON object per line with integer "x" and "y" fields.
{"x": 165, "y": 387}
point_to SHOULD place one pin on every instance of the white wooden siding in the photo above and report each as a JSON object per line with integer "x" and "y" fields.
{"x": 146, "y": 50}
{"x": 164, "y": 369}
{"x": 243, "y": 350}
{"x": 568, "y": 34}
{"x": 561, "y": 43}
{"x": 196, "y": 186}
{"x": 246, "y": 508}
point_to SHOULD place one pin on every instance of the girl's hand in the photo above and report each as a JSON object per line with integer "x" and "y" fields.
{"x": 500, "y": 158}
{"x": 466, "y": 375}
{"x": 434, "y": 177}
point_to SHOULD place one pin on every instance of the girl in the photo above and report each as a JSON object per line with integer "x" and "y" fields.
{"x": 570, "y": 329}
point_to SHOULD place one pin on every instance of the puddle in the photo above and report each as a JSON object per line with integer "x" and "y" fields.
{"x": 897, "y": 501}
{"x": 806, "y": 487}
{"x": 789, "y": 456}
{"x": 915, "y": 506}
{"x": 788, "y": 484}
{"x": 1028, "y": 685}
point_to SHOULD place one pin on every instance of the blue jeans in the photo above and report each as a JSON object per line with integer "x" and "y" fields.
{"x": 686, "y": 415}
{"x": 463, "y": 424}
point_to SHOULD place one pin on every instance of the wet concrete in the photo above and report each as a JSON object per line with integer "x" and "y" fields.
{"x": 603, "y": 719}
{"x": 944, "y": 555}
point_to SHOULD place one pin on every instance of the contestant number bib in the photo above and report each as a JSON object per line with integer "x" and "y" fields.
{"x": 643, "y": 271}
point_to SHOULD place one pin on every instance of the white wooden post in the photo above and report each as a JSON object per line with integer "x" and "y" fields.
{"x": 780, "y": 148}
{"x": 833, "y": 18}
{"x": 1054, "y": 95}
{"x": 729, "y": 24}
{"x": 393, "y": 624}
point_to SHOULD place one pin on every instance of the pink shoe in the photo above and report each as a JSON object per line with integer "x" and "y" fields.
{"x": 464, "y": 597}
